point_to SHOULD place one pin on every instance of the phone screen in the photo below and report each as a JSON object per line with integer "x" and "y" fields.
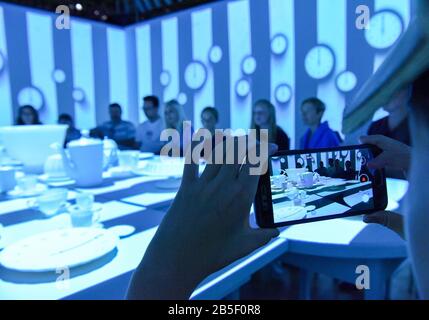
{"x": 309, "y": 186}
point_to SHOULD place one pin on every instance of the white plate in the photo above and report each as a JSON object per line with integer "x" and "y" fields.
{"x": 173, "y": 168}
{"x": 293, "y": 213}
{"x": 58, "y": 249}
{"x": 46, "y": 179}
{"x": 146, "y": 155}
{"x": 37, "y": 191}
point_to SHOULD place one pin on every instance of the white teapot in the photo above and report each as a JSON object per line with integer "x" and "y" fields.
{"x": 83, "y": 161}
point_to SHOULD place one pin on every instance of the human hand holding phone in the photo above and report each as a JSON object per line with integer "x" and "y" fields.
{"x": 395, "y": 155}
{"x": 205, "y": 230}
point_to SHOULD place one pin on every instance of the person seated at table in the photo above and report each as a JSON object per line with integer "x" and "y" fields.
{"x": 121, "y": 131}
{"x": 27, "y": 115}
{"x": 210, "y": 119}
{"x": 338, "y": 169}
{"x": 175, "y": 119}
{"x": 264, "y": 117}
{"x": 72, "y": 133}
{"x": 148, "y": 136}
{"x": 322, "y": 170}
{"x": 331, "y": 169}
{"x": 319, "y": 134}
{"x": 349, "y": 173}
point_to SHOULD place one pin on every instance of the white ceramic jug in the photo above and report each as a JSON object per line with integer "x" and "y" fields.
{"x": 83, "y": 161}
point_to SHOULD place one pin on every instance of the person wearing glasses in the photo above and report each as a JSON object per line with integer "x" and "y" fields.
{"x": 149, "y": 132}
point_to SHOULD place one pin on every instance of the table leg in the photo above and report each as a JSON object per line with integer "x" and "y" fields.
{"x": 305, "y": 284}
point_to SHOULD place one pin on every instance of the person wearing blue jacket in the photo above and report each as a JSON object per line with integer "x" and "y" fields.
{"x": 319, "y": 134}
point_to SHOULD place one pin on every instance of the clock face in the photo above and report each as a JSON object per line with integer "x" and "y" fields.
{"x": 283, "y": 93}
{"x": 31, "y": 96}
{"x": 195, "y": 75}
{"x": 242, "y": 88}
{"x": 248, "y": 65}
{"x": 385, "y": 28}
{"x": 59, "y": 76}
{"x": 165, "y": 78}
{"x": 182, "y": 98}
{"x": 78, "y": 95}
{"x": 279, "y": 44}
{"x": 215, "y": 55}
{"x": 320, "y": 62}
{"x": 346, "y": 81}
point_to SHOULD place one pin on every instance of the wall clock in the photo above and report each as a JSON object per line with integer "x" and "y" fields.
{"x": 248, "y": 65}
{"x": 283, "y": 93}
{"x": 320, "y": 62}
{"x": 165, "y": 78}
{"x": 31, "y": 96}
{"x": 279, "y": 44}
{"x": 242, "y": 88}
{"x": 385, "y": 28}
{"x": 195, "y": 75}
{"x": 215, "y": 54}
{"x": 346, "y": 81}
{"x": 59, "y": 76}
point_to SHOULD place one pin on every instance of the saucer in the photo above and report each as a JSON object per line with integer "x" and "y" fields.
{"x": 96, "y": 207}
{"x": 47, "y": 179}
{"x": 37, "y": 191}
{"x": 146, "y": 155}
{"x": 118, "y": 172}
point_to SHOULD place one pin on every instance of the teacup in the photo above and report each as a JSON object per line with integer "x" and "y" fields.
{"x": 83, "y": 217}
{"x": 7, "y": 179}
{"x": 128, "y": 160}
{"x": 308, "y": 179}
{"x": 50, "y": 202}
{"x": 279, "y": 181}
{"x": 85, "y": 200}
{"x": 27, "y": 183}
{"x": 293, "y": 174}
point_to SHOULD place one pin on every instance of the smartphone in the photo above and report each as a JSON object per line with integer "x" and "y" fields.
{"x": 314, "y": 185}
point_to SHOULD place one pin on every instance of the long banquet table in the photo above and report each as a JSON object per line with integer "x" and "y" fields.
{"x": 141, "y": 202}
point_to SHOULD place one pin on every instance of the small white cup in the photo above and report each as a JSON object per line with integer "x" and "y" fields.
{"x": 50, "y": 202}
{"x": 85, "y": 200}
{"x": 128, "y": 160}
{"x": 27, "y": 183}
{"x": 7, "y": 179}
{"x": 83, "y": 218}
{"x": 279, "y": 181}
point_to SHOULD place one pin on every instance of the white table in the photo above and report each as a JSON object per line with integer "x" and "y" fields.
{"x": 135, "y": 201}
{"x": 139, "y": 202}
{"x": 337, "y": 247}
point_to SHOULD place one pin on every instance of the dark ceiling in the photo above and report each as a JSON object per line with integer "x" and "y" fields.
{"x": 120, "y": 12}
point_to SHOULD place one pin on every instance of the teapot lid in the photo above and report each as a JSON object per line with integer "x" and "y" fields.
{"x": 85, "y": 140}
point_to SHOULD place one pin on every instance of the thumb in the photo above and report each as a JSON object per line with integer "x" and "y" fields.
{"x": 378, "y": 163}
{"x": 377, "y": 218}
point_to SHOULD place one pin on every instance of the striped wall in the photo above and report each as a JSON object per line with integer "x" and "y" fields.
{"x": 224, "y": 49}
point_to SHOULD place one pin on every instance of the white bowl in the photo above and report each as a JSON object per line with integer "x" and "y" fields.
{"x": 31, "y": 144}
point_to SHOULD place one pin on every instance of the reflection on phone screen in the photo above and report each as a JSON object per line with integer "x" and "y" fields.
{"x": 309, "y": 186}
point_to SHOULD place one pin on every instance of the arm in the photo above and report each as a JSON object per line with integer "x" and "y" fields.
{"x": 194, "y": 241}
{"x": 417, "y": 220}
